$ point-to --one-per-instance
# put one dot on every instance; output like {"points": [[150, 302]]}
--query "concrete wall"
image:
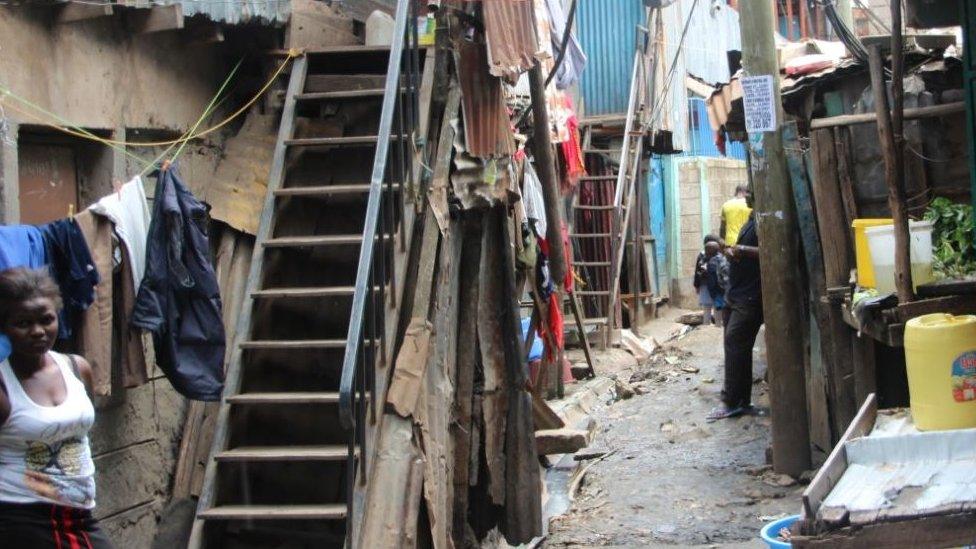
{"points": [[701, 186], [99, 75]]}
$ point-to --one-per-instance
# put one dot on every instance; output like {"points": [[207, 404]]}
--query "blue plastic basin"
{"points": [[770, 532]]}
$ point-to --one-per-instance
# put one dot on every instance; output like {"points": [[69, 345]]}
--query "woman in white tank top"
{"points": [[47, 477]]}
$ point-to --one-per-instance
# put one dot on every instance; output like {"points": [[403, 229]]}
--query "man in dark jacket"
{"points": [[744, 300]]}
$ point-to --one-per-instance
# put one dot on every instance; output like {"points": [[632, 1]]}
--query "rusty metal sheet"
{"points": [[512, 36], [487, 129]]}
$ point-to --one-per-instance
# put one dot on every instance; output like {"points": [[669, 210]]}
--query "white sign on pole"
{"points": [[757, 99]]}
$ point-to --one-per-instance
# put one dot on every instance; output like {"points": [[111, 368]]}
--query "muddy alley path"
{"points": [[670, 477]]}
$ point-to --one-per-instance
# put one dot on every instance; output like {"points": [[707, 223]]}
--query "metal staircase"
{"points": [[312, 343]]}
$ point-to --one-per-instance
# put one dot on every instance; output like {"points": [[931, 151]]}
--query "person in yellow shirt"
{"points": [[735, 214]]}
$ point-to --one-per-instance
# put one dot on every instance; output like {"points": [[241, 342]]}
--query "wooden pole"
{"points": [[546, 167], [894, 167], [778, 257], [846, 14], [789, 20], [804, 31]]}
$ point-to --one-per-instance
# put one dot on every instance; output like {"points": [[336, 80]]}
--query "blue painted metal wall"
{"points": [[656, 198], [608, 34], [701, 137]]}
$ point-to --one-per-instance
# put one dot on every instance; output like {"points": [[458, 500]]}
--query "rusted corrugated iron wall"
{"points": [[608, 34]]}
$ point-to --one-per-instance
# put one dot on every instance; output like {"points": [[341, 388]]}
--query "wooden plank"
{"points": [[955, 305], [829, 474], [581, 327], [467, 362], [285, 398], [845, 175], [560, 441], [835, 234], [871, 118], [309, 241], [296, 344], [411, 362], [156, 19], [71, 12], [951, 530], [275, 512], [545, 417], [285, 453]]}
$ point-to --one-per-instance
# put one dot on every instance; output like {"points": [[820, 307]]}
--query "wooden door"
{"points": [[48, 182]]}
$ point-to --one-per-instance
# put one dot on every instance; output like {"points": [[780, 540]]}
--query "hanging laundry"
{"points": [[73, 268], [179, 300], [129, 211], [20, 246], [109, 313], [544, 285], [535, 208], [574, 61], [572, 152]]}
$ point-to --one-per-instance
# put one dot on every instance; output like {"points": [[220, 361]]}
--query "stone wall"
{"points": [[704, 184]]}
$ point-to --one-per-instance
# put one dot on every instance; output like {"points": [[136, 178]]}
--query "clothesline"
{"points": [[77, 131]]}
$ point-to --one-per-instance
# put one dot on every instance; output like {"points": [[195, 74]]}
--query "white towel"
{"points": [[129, 211]]}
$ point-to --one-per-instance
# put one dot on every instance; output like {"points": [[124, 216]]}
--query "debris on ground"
{"points": [[641, 348], [560, 441], [779, 479], [590, 453], [623, 389], [695, 318]]}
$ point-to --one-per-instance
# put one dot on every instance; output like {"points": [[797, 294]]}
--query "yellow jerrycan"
{"points": [[940, 354]]}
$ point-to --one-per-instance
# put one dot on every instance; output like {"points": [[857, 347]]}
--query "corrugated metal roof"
{"points": [[231, 12], [608, 33], [513, 42], [487, 128]]}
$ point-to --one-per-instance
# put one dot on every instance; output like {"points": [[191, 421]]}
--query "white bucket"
{"points": [[881, 242]]}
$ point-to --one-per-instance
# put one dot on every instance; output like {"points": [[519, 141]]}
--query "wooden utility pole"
{"points": [[546, 168], [779, 254], [892, 149]]}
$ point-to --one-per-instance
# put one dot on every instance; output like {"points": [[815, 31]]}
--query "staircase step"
{"points": [[285, 398], [295, 344], [321, 240], [285, 453], [601, 151], [275, 293], [591, 264], [589, 235], [275, 512], [603, 207], [346, 141], [328, 190], [605, 293], [596, 321], [598, 178], [340, 95]]}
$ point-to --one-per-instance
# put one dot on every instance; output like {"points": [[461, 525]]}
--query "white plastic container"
{"points": [[379, 29], [881, 242]]}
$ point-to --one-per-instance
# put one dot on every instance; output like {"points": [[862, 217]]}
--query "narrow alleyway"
{"points": [[669, 477]]}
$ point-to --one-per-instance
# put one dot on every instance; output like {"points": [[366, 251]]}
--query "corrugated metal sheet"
{"points": [[487, 129], [713, 30], [230, 12], [608, 33], [513, 41]]}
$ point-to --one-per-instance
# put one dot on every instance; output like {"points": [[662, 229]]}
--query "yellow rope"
{"points": [[291, 55]]}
